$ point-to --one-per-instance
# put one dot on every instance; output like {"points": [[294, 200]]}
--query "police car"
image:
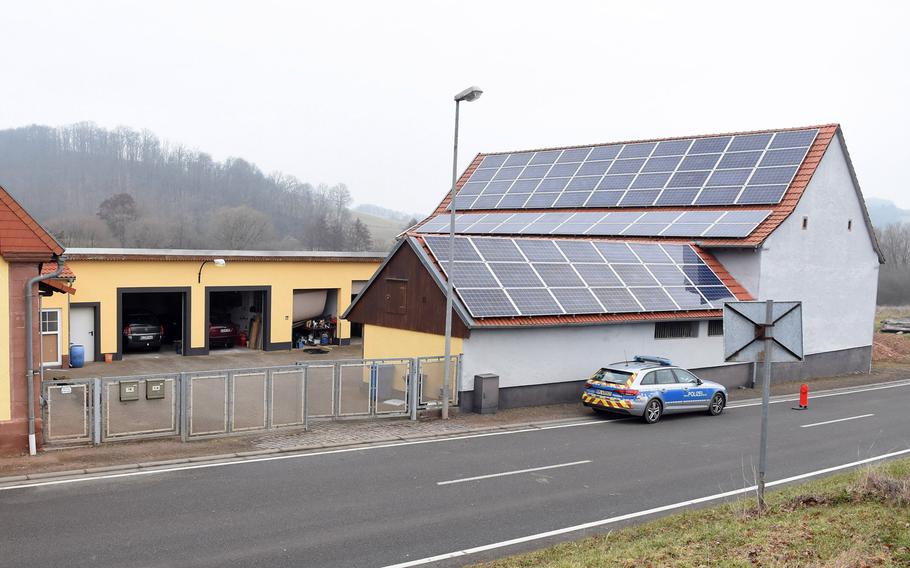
{"points": [[649, 387]]}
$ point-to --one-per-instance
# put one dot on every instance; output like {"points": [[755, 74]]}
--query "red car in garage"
{"points": [[222, 331]]}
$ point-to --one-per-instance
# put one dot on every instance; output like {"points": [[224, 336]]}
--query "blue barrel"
{"points": [[77, 355]]}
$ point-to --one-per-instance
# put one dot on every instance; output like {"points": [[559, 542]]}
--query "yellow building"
{"points": [[272, 298]]}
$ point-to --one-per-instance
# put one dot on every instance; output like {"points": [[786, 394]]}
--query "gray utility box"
{"points": [[486, 393], [129, 390], [154, 388]]}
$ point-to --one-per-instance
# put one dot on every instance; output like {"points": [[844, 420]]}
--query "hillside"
{"points": [[884, 212], [96, 187]]}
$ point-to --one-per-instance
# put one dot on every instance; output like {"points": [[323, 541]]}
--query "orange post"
{"points": [[804, 397]]}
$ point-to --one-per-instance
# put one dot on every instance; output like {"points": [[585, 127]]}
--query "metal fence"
{"points": [[224, 402]]}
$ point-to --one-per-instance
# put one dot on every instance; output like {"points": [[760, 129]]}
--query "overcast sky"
{"points": [[361, 93]]}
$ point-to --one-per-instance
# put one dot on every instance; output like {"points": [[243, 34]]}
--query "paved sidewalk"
{"points": [[340, 433]]}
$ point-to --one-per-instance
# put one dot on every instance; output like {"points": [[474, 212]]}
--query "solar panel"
{"points": [[610, 175], [739, 223], [534, 302], [501, 277]]}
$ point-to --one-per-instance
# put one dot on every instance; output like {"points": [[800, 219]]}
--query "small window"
{"points": [[849, 224], [675, 329], [50, 322], [805, 223], [715, 327], [664, 376], [649, 379], [685, 377]]}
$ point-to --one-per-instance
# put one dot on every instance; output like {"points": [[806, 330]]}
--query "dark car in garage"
{"points": [[142, 330], [222, 331]]}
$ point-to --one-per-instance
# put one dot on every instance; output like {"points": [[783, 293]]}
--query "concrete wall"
{"points": [[833, 270], [390, 343], [536, 356], [97, 281]]}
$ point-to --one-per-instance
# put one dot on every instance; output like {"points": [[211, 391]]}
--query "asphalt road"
{"points": [[373, 507]]}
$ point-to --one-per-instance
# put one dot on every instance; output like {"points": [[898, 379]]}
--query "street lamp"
{"points": [[216, 261], [470, 94]]}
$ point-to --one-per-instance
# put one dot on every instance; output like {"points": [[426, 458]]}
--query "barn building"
{"points": [[570, 258]]}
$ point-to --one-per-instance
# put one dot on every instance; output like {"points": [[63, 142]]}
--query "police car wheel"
{"points": [[717, 405], [653, 410]]}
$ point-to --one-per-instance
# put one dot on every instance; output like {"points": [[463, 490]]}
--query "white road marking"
{"points": [[514, 472], [637, 514], [823, 394], [590, 422], [838, 420]]}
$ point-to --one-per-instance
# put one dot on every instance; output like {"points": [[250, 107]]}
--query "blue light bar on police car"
{"points": [[652, 359]]}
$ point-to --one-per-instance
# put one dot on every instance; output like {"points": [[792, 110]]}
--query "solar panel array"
{"points": [[718, 224], [499, 277], [720, 170]]}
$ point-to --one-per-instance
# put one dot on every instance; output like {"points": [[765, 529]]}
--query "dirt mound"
{"points": [[891, 347]]}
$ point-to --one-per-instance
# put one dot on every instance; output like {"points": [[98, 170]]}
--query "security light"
{"points": [[472, 93], [219, 262]]}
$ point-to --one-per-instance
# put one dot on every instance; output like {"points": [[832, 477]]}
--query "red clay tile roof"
{"points": [[20, 233], [50, 267], [779, 212], [592, 319]]}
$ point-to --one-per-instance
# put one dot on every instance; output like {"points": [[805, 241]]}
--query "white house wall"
{"points": [[833, 270], [533, 356]]}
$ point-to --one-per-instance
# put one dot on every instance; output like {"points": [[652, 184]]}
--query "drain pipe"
{"points": [[30, 348]]}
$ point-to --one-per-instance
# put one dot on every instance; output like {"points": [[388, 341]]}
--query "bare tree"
{"points": [[894, 275], [84, 165], [118, 211], [80, 231], [240, 227]]}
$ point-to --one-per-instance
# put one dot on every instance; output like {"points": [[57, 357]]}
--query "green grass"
{"points": [[383, 231], [856, 519]]}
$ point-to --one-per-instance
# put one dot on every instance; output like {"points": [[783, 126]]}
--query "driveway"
{"points": [[166, 361]]}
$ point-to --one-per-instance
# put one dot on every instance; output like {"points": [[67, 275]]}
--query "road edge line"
{"points": [[638, 514]]}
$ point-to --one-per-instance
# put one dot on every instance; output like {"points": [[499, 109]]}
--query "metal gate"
{"points": [[67, 410], [223, 402]]}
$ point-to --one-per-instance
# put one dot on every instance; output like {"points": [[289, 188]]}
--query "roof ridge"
{"points": [[34, 226], [665, 138]]}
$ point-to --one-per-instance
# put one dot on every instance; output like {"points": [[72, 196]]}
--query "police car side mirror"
{"points": [[698, 381]]}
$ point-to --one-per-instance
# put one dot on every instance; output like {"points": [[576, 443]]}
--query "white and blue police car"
{"points": [[650, 387]]}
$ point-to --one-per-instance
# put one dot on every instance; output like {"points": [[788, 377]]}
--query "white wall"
{"points": [[550, 355], [743, 264], [832, 270]]}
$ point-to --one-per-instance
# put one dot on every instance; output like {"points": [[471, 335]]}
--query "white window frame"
{"points": [[58, 333]]}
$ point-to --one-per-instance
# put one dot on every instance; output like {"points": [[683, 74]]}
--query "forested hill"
{"points": [[96, 187]]}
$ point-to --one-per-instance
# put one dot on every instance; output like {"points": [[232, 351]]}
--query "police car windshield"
{"points": [[611, 376]]}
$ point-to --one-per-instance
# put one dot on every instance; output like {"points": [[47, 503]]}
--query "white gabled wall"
{"points": [[533, 356], [833, 270]]}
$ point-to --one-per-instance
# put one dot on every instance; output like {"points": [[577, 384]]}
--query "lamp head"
{"points": [[472, 93], [219, 262]]}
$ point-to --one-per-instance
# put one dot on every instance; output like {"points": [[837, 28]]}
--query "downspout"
{"points": [[30, 348]]}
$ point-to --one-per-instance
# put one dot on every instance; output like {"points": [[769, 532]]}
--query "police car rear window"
{"points": [[609, 376]]}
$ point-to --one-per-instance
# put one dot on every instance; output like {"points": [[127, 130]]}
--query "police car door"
{"points": [[693, 394], [669, 389]]}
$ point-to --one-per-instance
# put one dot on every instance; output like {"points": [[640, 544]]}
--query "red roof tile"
{"points": [[50, 267], [20, 233]]}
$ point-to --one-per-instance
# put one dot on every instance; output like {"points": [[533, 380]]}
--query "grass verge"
{"points": [[853, 520]]}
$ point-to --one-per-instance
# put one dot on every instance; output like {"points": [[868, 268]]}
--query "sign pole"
{"points": [[765, 400]]}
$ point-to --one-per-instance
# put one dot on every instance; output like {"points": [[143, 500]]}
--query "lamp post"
{"points": [[216, 261], [470, 94]]}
